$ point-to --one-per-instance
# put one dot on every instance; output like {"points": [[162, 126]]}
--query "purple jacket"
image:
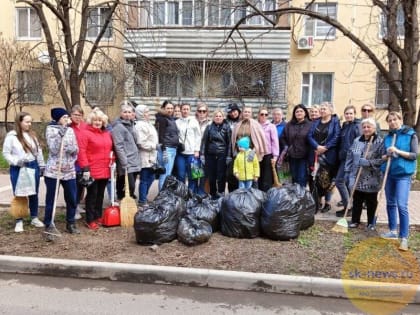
{"points": [[272, 139]]}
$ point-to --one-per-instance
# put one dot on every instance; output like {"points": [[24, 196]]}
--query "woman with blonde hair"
{"points": [[95, 159], [202, 116], [148, 144], [215, 153], [21, 148]]}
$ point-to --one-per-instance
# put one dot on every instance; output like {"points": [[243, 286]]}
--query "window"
{"points": [[99, 87], [196, 12], [316, 88], [383, 29], [96, 20], [382, 91], [318, 28], [29, 86], [28, 24]]}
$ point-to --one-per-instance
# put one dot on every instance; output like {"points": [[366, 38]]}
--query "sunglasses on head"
{"points": [[263, 114], [367, 110], [202, 111]]}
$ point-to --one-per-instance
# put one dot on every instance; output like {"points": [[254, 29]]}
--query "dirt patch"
{"points": [[317, 252]]}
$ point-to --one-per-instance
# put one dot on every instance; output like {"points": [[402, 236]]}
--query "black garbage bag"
{"points": [[193, 232], [240, 214], [260, 195], [280, 216], [176, 187], [157, 223], [307, 207], [204, 209], [167, 196]]}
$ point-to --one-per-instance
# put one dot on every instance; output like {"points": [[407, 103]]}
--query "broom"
{"points": [[276, 182], [381, 191], [128, 206], [342, 226], [19, 207]]}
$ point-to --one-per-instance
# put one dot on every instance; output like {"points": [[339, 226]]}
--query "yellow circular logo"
{"points": [[378, 278]]}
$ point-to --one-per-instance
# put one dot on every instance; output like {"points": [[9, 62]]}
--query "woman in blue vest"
{"points": [[403, 155]]}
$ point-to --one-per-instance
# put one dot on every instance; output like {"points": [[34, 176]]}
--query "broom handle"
{"points": [[127, 187], [276, 182], [356, 181], [57, 184], [111, 166], [381, 191]]}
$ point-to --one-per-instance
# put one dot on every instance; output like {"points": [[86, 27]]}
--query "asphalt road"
{"points": [[47, 295]]}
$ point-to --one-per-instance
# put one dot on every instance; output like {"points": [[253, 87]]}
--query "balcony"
{"points": [[200, 43]]}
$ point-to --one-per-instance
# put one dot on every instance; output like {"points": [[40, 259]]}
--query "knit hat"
{"points": [[243, 143], [232, 107], [140, 109], [57, 113]]}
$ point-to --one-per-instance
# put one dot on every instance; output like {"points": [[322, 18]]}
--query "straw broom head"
{"points": [[128, 207], [19, 207]]}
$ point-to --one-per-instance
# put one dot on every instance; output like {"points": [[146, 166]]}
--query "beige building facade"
{"points": [[173, 50], [325, 65]]}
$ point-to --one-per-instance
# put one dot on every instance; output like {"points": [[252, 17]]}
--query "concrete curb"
{"points": [[233, 280]]}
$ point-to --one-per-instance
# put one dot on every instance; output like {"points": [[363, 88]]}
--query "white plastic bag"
{"points": [[25, 185]]}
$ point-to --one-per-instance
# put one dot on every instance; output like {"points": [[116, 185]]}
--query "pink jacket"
{"points": [[272, 139], [94, 152]]}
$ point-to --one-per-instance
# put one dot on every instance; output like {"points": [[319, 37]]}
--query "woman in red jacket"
{"points": [[94, 158]]}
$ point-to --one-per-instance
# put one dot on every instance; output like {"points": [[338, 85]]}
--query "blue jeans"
{"points": [[70, 191], [183, 166], [340, 183], [33, 200], [397, 190], [299, 171], [147, 176], [168, 165], [245, 184]]}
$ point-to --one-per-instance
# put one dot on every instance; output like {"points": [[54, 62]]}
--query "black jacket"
{"points": [[167, 130], [294, 139], [216, 140]]}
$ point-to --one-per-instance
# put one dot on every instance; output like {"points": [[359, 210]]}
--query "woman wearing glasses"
{"points": [[368, 111], [202, 116], [265, 180]]}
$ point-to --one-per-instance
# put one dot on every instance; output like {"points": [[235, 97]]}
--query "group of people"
{"points": [[354, 158], [232, 147]]}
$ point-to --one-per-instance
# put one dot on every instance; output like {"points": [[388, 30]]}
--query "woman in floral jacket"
{"points": [[63, 172]]}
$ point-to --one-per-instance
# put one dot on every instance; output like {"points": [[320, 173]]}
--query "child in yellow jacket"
{"points": [[246, 166]]}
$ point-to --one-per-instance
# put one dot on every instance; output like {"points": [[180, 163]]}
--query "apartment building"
{"points": [[325, 65], [181, 50], [35, 89]]}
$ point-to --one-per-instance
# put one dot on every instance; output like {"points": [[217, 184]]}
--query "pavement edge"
{"points": [[210, 278]]}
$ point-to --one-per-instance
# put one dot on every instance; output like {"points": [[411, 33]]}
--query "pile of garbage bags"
{"points": [[176, 213]]}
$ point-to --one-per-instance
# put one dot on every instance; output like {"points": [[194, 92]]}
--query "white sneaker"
{"points": [[79, 209], [77, 216], [37, 223], [19, 226]]}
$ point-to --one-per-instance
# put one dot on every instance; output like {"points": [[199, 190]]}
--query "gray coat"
{"points": [[125, 146], [371, 177]]}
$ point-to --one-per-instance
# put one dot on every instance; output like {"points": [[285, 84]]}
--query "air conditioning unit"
{"points": [[305, 42]]}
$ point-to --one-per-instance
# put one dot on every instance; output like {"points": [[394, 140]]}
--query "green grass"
{"points": [[309, 236], [3, 162], [418, 168]]}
